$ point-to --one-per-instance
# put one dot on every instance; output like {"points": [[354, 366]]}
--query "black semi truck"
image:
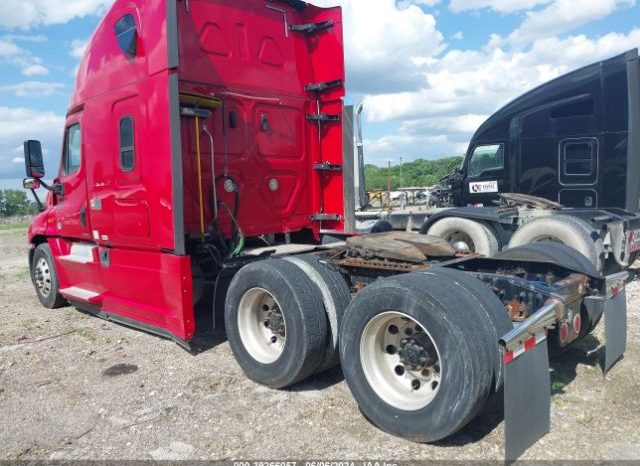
{"points": [[560, 163]]}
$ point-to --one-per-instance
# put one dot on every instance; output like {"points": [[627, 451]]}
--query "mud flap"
{"points": [[615, 328], [527, 395]]}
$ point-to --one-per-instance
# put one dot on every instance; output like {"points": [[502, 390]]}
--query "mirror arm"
{"points": [[38, 201], [46, 186], [56, 188]]}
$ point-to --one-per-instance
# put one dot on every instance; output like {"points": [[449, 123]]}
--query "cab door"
{"points": [[72, 214], [486, 174]]}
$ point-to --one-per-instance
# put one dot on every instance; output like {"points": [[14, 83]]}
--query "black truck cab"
{"points": [[574, 140]]}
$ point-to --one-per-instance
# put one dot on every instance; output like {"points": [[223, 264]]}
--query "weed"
{"points": [[86, 333], [14, 226]]}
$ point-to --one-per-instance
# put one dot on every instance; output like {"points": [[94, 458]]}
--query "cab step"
{"points": [[76, 293]]}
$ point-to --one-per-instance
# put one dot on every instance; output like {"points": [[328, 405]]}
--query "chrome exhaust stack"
{"points": [[544, 317]]}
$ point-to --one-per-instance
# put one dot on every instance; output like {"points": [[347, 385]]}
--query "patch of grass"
{"points": [[30, 323], [23, 274], [14, 226], [584, 418], [86, 333], [557, 385]]}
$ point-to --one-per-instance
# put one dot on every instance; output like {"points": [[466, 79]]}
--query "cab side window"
{"points": [[72, 149], [127, 144], [486, 158], [579, 161]]}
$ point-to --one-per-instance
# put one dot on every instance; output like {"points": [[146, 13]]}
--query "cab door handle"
{"points": [[83, 216]]}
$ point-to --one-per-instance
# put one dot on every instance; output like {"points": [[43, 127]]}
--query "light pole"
{"points": [[389, 204], [401, 178]]}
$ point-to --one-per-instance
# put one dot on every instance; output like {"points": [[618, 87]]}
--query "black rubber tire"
{"points": [[484, 237], [569, 231], [336, 296], [465, 346], [304, 316], [54, 300], [381, 226], [487, 302]]}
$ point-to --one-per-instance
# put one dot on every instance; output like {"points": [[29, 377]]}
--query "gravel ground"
{"points": [[73, 386]]}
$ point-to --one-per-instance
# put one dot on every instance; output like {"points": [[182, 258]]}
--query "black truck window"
{"points": [[72, 150], [127, 35], [127, 145], [486, 158], [578, 161]]}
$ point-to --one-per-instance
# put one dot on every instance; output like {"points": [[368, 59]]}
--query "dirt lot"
{"points": [[62, 398]]}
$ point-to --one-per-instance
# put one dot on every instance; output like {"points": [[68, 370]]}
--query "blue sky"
{"points": [[429, 71]]}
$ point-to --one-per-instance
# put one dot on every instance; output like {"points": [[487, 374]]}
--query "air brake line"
{"points": [[200, 106], [200, 201]]}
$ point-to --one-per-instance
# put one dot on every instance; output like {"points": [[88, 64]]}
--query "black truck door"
{"points": [[486, 174]]}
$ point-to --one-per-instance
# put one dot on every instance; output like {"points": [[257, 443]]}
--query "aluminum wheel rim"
{"points": [[42, 277], [461, 237], [399, 384], [261, 326]]}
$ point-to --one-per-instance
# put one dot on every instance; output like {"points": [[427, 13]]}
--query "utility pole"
{"points": [[389, 203], [401, 178]]}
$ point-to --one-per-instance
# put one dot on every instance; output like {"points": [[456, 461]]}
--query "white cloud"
{"points": [[32, 89], [461, 87], [35, 70], [385, 43], [563, 16], [26, 14], [15, 55], [427, 3], [474, 81], [19, 124], [78, 46], [18, 160], [36, 39], [501, 6], [458, 35]]}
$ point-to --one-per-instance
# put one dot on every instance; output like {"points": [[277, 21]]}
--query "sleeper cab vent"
{"points": [[127, 35]]}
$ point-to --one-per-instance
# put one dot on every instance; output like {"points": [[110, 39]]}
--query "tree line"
{"points": [[14, 202], [418, 173]]}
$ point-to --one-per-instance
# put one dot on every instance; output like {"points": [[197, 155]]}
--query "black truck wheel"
{"points": [[45, 278], [275, 323], [336, 296], [417, 355], [483, 300], [569, 231], [465, 235]]}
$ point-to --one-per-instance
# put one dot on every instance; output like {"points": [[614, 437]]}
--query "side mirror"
{"points": [[33, 159], [31, 183]]}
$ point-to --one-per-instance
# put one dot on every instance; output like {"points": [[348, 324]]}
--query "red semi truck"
{"points": [[203, 183]]}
